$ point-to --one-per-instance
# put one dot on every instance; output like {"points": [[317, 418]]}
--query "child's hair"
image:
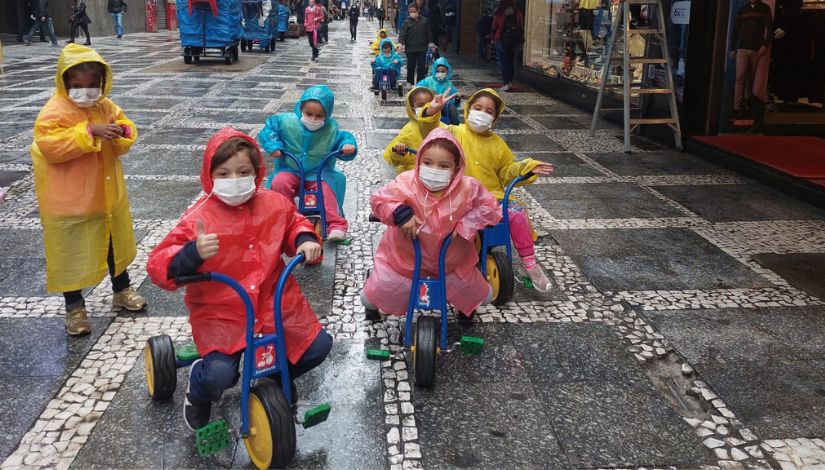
{"points": [[420, 91], [94, 67], [230, 147], [449, 146], [304, 103], [493, 97]]}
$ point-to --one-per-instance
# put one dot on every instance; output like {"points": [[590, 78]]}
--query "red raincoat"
{"points": [[464, 207], [252, 238]]}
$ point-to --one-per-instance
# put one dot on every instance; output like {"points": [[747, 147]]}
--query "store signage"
{"points": [[680, 13]]}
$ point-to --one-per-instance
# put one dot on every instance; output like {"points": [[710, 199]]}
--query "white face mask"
{"points": [[234, 191], [479, 121], [84, 97], [312, 124], [418, 111], [433, 178], [440, 75]]}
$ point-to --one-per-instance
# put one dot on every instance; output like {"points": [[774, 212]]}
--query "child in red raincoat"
{"points": [[239, 230], [429, 203]]}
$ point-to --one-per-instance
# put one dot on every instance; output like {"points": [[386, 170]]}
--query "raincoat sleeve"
{"points": [[270, 136], [400, 63], [427, 124], [60, 143], [386, 200], [296, 224], [344, 138], [508, 168], [402, 162], [161, 257], [121, 145], [484, 211]]}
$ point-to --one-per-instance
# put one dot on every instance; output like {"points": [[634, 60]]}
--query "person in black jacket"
{"points": [[415, 37], [751, 36], [80, 20], [353, 21], [117, 8], [380, 14], [41, 20]]}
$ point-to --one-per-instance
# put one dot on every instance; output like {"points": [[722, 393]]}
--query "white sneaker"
{"points": [[336, 235], [506, 87]]}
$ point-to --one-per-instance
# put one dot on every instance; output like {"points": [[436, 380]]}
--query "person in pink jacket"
{"points": [[429, 203], [313, 20]]}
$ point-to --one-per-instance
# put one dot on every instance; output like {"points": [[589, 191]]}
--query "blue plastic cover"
{"points": [[252, 28], [221, 30]]}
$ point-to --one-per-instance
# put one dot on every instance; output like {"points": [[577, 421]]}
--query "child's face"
{"points": [[441, 69], [485, 104], [421, 99], [238, 166], [383, 35], [438, 159], [314, 111], [387, 51], [82, 79]]}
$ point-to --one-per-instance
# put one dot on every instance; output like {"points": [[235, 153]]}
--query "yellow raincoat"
{"points": [[375, 44], [78, 180], [410, 136], [489, 159]]}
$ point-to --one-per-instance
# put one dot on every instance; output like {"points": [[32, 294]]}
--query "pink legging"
{"points": [[521, 233], [287, 184]]}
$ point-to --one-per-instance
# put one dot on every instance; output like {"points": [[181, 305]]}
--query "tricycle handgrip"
{"points": [[192, 278]]}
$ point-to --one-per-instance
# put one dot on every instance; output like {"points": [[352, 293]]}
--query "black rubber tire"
{"points": [[187, 59], [383, 93], [196, 59], [272, 44], [401, 90], [425, 340], [235, 54], [281, 421], [506, 278], [243, 45], [227, 58], [162, 352]]}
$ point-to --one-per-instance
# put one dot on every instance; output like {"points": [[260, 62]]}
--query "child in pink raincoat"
{"points": [[429, 203]]}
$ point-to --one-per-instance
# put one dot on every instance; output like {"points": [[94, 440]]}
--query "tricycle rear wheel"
{"points": [[159, 363], [425, 351], [271, 440], [500, 277]]}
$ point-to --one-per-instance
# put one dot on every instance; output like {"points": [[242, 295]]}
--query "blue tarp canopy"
{"points": [[221, 30]]}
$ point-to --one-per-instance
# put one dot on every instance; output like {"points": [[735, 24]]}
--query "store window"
{"points": [[568, 39]]}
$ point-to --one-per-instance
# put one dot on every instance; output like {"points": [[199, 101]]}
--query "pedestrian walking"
{"points": [[42, 20], [353, 22], [415, 37], [380, 14], [508, 33], [324, 33], [313, 19], [117, 8], [81, 20], [25, 13], [283, 20], [370, 12], [448, 23]]}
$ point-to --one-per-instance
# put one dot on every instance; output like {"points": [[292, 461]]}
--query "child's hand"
{"points": [[311, 250], [438, 103], [107, 131], [276, 154], [410, 227], [372, 61], [348, 149], [400, 149], [543, 169], [395, 62], [207, 243]]}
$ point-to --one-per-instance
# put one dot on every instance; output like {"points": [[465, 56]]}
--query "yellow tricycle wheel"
{"points": [[500, 276], [271, 440], [159, 364]]}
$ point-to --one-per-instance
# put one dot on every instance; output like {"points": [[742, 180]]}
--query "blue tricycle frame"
{"points": [[310, 201], [384, 83], [159, 350]]}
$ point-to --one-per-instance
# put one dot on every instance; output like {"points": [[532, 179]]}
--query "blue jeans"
{"points": [[507, 59], [376, 77], [118, 19], [42, 24], [218, 371]]}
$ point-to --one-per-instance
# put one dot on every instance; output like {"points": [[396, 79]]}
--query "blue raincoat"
{"points": [[381, 61], [439, 86], [285, 131], [283, 18]]}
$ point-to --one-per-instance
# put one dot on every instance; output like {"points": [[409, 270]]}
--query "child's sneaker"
{"points": [[76, 322], [538, 278], [195, 416], [129, 299], [336, 235]]}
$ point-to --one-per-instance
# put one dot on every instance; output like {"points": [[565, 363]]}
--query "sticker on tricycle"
{"points": [[310, 201], [424, 294], [265, 357]]}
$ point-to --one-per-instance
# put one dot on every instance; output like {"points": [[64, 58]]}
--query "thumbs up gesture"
{"points": [[207, 243]]}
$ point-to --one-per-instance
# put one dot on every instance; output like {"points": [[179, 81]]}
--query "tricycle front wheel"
{"points": [[159, 362], [425, 351], [271, 440]]}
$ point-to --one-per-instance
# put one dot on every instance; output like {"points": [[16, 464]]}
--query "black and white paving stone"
{"points": [[684, 327]]}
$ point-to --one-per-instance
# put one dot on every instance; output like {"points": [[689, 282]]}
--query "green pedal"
{"points": [[378, 354], [526, 282], [187, 352], [316, 415], [471, 345], [345, 242], [213, 438]]}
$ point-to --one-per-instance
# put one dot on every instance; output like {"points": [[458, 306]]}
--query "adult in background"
{"points": [[508, 33], [435, 23], [380, 14], [283, 20], [117, 8], [422, 8], [483, 28], [81, 20], [313, 20], [353, 22], [42, 20], [323, 34], [415, 37], [448, 23], [370, 12]]}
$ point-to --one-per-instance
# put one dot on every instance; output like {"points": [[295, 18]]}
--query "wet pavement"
{"points": [[684, 327]]}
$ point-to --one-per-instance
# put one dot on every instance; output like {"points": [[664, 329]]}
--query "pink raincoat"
{"points": [[464, 207]]}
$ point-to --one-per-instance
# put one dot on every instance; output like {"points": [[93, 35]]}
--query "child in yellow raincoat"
{"points": [[491, 161], [396, 153], [79, 137], [379, 36]]}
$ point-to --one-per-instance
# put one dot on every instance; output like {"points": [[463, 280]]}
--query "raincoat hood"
{"points": [[499, 103], [319, 93], [378, 35], [408, 102], [442, 61], [436, 135], [212, 146], [75, 54], [381, 46]]}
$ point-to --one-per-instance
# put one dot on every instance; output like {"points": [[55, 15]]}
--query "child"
{"points": [[79, 137], [310, 133], [396, 153], [239, 230], [388, 59], [380, 36], [439, 82], [492, 162], [429, 204]]}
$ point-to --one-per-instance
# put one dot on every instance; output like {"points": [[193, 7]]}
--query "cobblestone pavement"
{"points": [[684, 327]]}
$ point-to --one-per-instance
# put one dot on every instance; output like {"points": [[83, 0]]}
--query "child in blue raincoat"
{"points": [[310, 133], [283, 20], [439, 82], [388, 58]]}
